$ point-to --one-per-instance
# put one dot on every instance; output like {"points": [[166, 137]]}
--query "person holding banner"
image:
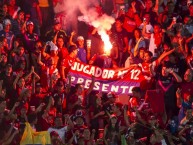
{"points": [[148, 67], [66, 63], [103, 61]]}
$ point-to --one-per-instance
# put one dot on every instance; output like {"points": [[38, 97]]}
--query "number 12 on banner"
{"points": [[135, 74]]}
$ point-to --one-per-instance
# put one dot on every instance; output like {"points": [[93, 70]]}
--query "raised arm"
{"points": [[136, 48], [16, 80], [179, 97], [164, 54], [71, 38], [176, 76], [44, 54], [144, 30], [13, 109], [39, 60], [126, 116], [69, 122], [55, 38], [62, 72], [29, 74], [69, 82]]}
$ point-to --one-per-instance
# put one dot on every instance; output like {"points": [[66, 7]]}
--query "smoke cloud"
{"points": [[88, 14]]}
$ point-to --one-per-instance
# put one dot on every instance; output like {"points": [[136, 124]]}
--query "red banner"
{"points": [[120, 80]]}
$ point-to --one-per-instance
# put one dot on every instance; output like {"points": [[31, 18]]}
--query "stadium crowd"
{"points": [[37, 51]]}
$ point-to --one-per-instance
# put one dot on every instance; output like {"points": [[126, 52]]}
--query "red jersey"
{"points": [[67, 63], [145, 68], [63, 53], [130, 24]]}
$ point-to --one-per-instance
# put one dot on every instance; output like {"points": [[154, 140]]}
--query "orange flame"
{"points": [[107, 44]]}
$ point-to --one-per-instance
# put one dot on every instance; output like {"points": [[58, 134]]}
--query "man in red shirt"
{"points": [[68, 61]]}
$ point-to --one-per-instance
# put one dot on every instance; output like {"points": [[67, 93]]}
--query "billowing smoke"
{"points": [[72, 8], [90, 16]]}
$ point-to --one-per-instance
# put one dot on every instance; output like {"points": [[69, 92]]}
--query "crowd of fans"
{"points": [[37, 52]]}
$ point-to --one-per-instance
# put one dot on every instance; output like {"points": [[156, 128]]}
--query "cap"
{"points": [[111, 95], [80, 38], [79, 114], [56, 21], [29, 23], [7, 22]]}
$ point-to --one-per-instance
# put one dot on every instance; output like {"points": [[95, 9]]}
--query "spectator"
{"points": [[49, 68], [59, 128], [8, 78], [156, 40], [19, 56], [4, 14], [30, 37], [82, 54], [120, 37], [68, 61], [18, 24], [56, 32], [62, 50], [111, 132], [6, 32], [118, 6], [60, 95], [35, 54], [184, 95], [97, 115], [169, 88], [132, 20], [149, 9], [13, 8], [111, 99]]}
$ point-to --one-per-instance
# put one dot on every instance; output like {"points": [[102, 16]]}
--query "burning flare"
{"points": [[107, 44], [101, 23]]}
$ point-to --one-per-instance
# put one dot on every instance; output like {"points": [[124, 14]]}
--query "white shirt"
{"points": [[148, 29], [61, 132]]}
